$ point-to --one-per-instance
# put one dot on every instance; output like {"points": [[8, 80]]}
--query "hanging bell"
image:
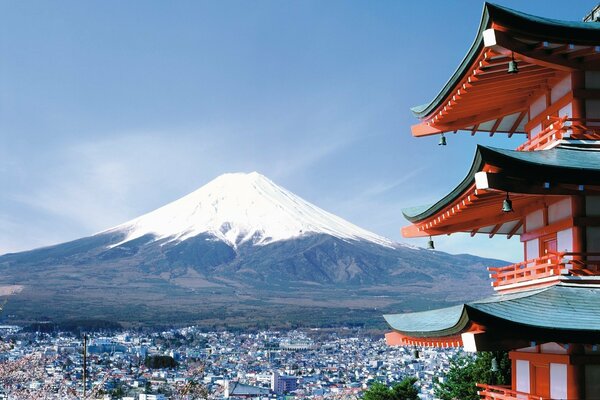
{"points": [[430, 245], [512, 66], [494, 365], [442, 140], [507, 204]]}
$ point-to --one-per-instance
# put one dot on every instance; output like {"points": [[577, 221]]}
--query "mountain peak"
{"points": [[231, 180], [243, 207]]}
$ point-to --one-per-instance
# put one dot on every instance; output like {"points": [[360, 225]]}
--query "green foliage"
{"points": [[160, 362], [403, 390], [117, 392], [466, 371]]}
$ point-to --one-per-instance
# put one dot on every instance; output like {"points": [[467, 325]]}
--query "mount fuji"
{"points": [[243, 208], [239, 251]]}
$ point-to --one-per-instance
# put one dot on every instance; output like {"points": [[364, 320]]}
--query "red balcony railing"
{"points": [[560, 128], [490, 392], [553, 264]]}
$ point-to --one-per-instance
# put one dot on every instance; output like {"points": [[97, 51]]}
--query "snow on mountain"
{"points": [[238, 208]]}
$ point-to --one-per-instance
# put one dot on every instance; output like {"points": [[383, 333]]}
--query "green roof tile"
{"points": [[559, 307], [561, 164], [547, 29]]}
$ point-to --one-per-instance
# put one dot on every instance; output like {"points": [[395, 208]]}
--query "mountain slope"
{"points": [[237, 208], [239, 250]]}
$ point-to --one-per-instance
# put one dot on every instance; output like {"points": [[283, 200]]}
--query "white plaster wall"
{"points": [[535, 130], [560, 89], [537, 106], [564, 240], [566, 111], [559, 211], [592, 206], [533, 248], [534, 220], [523, 384], [592, 79], [558, 381]]}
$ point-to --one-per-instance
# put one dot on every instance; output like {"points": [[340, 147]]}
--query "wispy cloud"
{"points": [[96, 184], [379, 188]]}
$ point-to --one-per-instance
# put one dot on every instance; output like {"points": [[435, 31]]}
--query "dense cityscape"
{"points": [[315, 363]]}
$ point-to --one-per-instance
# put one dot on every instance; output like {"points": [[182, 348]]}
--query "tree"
{"points": [[403, 390], [406, 389], [160, 361], [466, 371]]}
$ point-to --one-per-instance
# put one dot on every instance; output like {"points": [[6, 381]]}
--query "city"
{"points": [[312, 363]]}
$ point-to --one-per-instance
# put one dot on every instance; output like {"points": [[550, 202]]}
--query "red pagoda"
{"points": [[540, 78]]}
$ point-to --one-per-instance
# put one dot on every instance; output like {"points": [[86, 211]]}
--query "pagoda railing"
{"points": [[490, 392], [563, 128], [552, 264]]}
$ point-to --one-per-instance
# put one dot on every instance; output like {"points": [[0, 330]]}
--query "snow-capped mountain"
{"points": [[240, 248], [237, 208]]}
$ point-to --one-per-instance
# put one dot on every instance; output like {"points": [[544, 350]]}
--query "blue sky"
{"points": [[109, 109]]}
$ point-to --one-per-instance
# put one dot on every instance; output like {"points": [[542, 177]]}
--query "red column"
{"points": [[575, 382], [578, 82], [575, 374]]}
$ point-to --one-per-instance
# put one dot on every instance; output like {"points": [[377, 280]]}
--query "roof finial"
{"points": [[593, 15]]}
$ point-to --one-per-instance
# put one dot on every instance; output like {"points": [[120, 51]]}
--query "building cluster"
{"points": [[322, 364]]}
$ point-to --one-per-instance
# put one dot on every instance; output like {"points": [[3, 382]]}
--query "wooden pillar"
{"points": [[578, 82], [576, 375], [513, 367], [575, 382], [579, 231]]}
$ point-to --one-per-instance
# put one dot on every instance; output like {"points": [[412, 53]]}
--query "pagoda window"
{"points": [[548, 244], [538, 107], [592, 378], [558, 381], [559, 211], [592, 233], [592, 79], [532, 249], [564, 240], [592, 108], [566, 111], [523, 383], [535, 220], [592, 206], [561, 89], [593, 239]]}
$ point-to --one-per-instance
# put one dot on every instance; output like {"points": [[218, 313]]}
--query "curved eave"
{"points": [[430, 324], [423, 110], [558, 166], [522, 24], [557, 310], [416, 214]]}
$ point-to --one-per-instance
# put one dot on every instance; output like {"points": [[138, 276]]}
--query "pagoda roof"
{"points": [[522, 173], [545, 49], [561, 307]]}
